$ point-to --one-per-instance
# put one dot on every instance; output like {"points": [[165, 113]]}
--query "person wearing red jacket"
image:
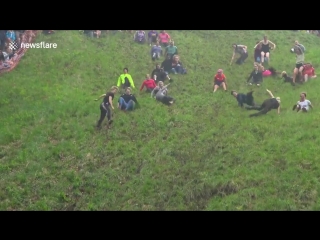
{"points": [[308, 72], [149, 83]]}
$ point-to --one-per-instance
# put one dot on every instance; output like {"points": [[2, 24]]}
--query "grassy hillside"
{"points": [[203, 153]]}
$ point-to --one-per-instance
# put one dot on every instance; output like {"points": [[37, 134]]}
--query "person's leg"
{"points": [[300, 73], [263, 111], [173, 70], [130, 106], [224, 86], [215, 87], [153, 56], [244, 56], [295, 72], [167, 100], [268, 57], [102, 116], [149, 90], [262, 57], [122, 103], [306, 77]]}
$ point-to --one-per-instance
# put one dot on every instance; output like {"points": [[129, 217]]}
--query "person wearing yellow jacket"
{"points": [[125, 80]]}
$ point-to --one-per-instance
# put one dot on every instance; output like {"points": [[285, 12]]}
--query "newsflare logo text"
{"points": [[15, 46]]}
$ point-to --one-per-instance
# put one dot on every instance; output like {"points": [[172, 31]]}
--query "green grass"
{"points": [[203, 153]]}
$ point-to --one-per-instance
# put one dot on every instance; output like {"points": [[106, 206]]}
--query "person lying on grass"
{"points": [[149, 83], [127, 101], [158, 74], [243, 98], [242, 50], [219, 80], [255, 76], [125, 80], [303, 104], [105, 106], [160, 93], [267, 105]]}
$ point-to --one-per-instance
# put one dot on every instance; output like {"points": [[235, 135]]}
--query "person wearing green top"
{"points": [[171, 50], [125, 80]]}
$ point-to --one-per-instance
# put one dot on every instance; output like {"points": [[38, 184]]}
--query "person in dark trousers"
{"points": [[243, 98], [167, 64], [255, 76], [242, 50], [267, 105], [158, 74], [125, 80], [127, 101], [105, 106]]}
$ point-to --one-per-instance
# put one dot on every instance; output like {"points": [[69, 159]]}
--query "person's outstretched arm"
{"points": [[103, 95], [270, 93]]}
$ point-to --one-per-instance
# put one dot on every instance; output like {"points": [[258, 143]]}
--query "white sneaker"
{"points": [[250, 83], [258, 85]]}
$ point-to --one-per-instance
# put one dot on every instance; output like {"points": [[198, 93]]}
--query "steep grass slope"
{"points": [[203, 153]]}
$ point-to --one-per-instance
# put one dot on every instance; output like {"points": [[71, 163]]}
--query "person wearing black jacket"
{"points": [[105, 106], [255, 76], [127, 101], [167, 64], [158, 74], [243, 98]]}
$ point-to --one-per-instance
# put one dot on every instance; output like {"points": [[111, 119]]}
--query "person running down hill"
{"points": [[105, 106]]}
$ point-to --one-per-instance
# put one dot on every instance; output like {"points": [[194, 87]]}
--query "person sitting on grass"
{"points": [[160, 93], [171, 50], [242, 50], [105, 106], [125, 80], [297, 72], [149, 83], [255, 76], [308, 72], [265, 49], [139, 36], [158, 74], [257, 52], [167, 64], [243, 98], [303, 104], [271, 71], [267, 105], [164, 38], [156, 51], [176, 65], [153, 37], [127, 101], [219, 80]]}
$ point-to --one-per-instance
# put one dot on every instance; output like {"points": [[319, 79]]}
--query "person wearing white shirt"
{"points": [[303, 104]]}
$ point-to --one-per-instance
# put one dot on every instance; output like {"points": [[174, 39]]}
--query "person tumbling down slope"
{"points": [[243, 98], [267, 105]]}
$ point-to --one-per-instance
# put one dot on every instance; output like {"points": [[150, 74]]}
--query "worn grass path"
{"points": [[204, 153]]}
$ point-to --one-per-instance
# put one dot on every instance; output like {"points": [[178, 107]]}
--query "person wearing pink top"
{"points": [[164, 38]]}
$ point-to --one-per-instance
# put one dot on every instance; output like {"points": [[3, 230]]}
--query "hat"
{"points": [[220, 71]]}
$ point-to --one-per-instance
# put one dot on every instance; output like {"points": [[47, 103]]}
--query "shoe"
{"points": [[258, 85], [250, 83], [110, 122]]}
